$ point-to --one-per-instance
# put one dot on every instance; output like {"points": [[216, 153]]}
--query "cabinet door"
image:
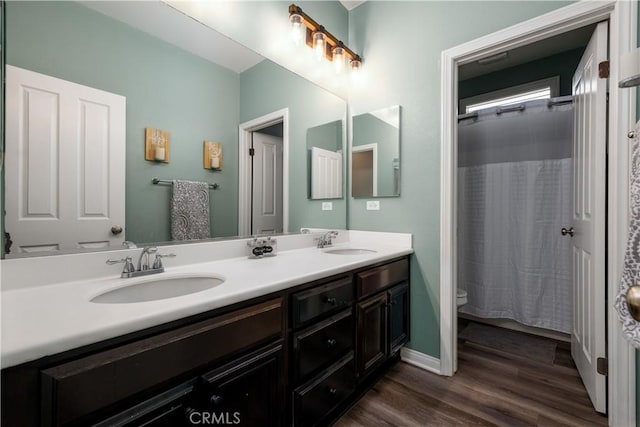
{"points": [[172, 408], [371, 342], [398, 298], [247, 391]]}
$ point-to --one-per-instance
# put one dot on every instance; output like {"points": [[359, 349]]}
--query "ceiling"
{"points": [[164, 22], [578, 38], [351, 4]]}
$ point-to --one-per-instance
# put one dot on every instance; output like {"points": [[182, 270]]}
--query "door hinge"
{"points": [[252, 151], [603, 70], [602, 366]]}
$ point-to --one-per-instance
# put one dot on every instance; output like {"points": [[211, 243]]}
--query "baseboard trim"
{"points": [[421, 360]]}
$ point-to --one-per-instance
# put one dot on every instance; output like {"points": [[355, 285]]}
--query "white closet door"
{"points": [[326, 174], [267, 184], [65, 164], [588, 242]]}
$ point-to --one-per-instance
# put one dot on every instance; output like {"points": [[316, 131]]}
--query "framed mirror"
{"points": [[171, 74], [325, 161], [375, 154]]}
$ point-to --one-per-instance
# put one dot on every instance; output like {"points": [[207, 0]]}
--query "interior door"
{"points": [[588, 239], [326, 174], [267, 184], [65, 164]]}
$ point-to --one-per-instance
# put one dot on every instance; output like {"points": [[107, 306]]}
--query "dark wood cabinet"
{"points": [[321, 344], [398, 313], [169, 409], [245, 392], [298, 357], [314, 401], [72, 392], [371, 333], [382, 314]]}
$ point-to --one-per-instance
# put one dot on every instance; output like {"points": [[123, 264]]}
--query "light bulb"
{"points": [[297, 28], [338, 59], [356, 66], [319, 43]]}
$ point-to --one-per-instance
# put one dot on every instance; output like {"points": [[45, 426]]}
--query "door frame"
{"points": [[622, 16], [368, 147], [244, 168]]}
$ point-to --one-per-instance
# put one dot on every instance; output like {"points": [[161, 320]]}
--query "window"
{"points": [[541, 89]]}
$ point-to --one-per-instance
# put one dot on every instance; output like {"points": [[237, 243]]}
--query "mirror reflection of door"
{"points": [[64, 176], [365, 171], [266, 192]]}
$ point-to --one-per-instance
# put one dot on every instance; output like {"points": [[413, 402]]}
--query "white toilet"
{"points": [[461, 297]]}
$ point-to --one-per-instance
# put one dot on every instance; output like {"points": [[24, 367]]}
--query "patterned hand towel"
{"points": [[631, 270], [190, 210]]}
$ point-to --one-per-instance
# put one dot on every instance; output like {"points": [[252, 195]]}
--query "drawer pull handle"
{"points": [[330, 300], [331, 342], [215, 399], [333, 391]]}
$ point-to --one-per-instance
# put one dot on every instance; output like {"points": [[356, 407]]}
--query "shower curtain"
{"points": [[515, 187]]}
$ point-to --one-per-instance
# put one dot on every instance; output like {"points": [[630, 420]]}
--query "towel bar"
{"points": [[214, 186]]}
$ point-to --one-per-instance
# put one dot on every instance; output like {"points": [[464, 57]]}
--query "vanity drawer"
{"points": [[78, 388], [321, 344], [316, 399], [323, 299], [379, 278]]}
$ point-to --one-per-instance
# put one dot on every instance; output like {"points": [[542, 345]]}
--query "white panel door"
{"points": [[326, 174], [588, 242], [65, 164], [267, 184]]}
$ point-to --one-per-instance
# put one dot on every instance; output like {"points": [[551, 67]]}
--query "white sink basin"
{"points": [[152, 289], [350, 251]]}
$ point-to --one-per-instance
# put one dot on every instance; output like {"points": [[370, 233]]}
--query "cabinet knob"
{"points": [[215, 399], [116, 229], [188, 411], [330, 300], [331, 342], [333, 391]]}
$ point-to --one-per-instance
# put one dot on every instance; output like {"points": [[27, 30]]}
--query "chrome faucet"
{"points": [[325, 239], [144, 255], [144, 267]]}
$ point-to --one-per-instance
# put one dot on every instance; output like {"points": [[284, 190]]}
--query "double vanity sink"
{"points": [[305, 331], [81, 300]]}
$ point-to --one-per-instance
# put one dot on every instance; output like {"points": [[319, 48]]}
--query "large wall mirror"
{"points": [[375, 153], [158, 69]]}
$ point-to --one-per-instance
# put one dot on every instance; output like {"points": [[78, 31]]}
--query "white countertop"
{"points": [[50, 318]]}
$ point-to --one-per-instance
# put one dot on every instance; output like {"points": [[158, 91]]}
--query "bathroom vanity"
{"points": [[294, 352]]}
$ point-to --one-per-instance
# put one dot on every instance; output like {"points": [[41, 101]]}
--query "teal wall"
{"points": [[563, 64], [368, 129], [166, 88], [309, 106], [401, 43]]}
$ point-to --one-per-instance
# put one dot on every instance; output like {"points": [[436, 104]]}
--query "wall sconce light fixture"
{"points": [[324, 44], [630, 69]]}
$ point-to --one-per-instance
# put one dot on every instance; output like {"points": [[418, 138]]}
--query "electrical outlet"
{"points": [[373, 205], [327, 206]]}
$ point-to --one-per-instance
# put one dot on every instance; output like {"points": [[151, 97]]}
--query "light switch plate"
{"points": [[327, 206], [373, 205]]}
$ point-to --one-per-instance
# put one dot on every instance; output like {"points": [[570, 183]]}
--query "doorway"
{"points": [[263, 175], [622, 17]]}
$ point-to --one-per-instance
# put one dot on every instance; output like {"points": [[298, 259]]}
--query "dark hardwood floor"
{"points": [[492, 387]]}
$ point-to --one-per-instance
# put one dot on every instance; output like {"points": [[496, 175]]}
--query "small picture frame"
{"points": [[212, 155], [157, 145]]}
